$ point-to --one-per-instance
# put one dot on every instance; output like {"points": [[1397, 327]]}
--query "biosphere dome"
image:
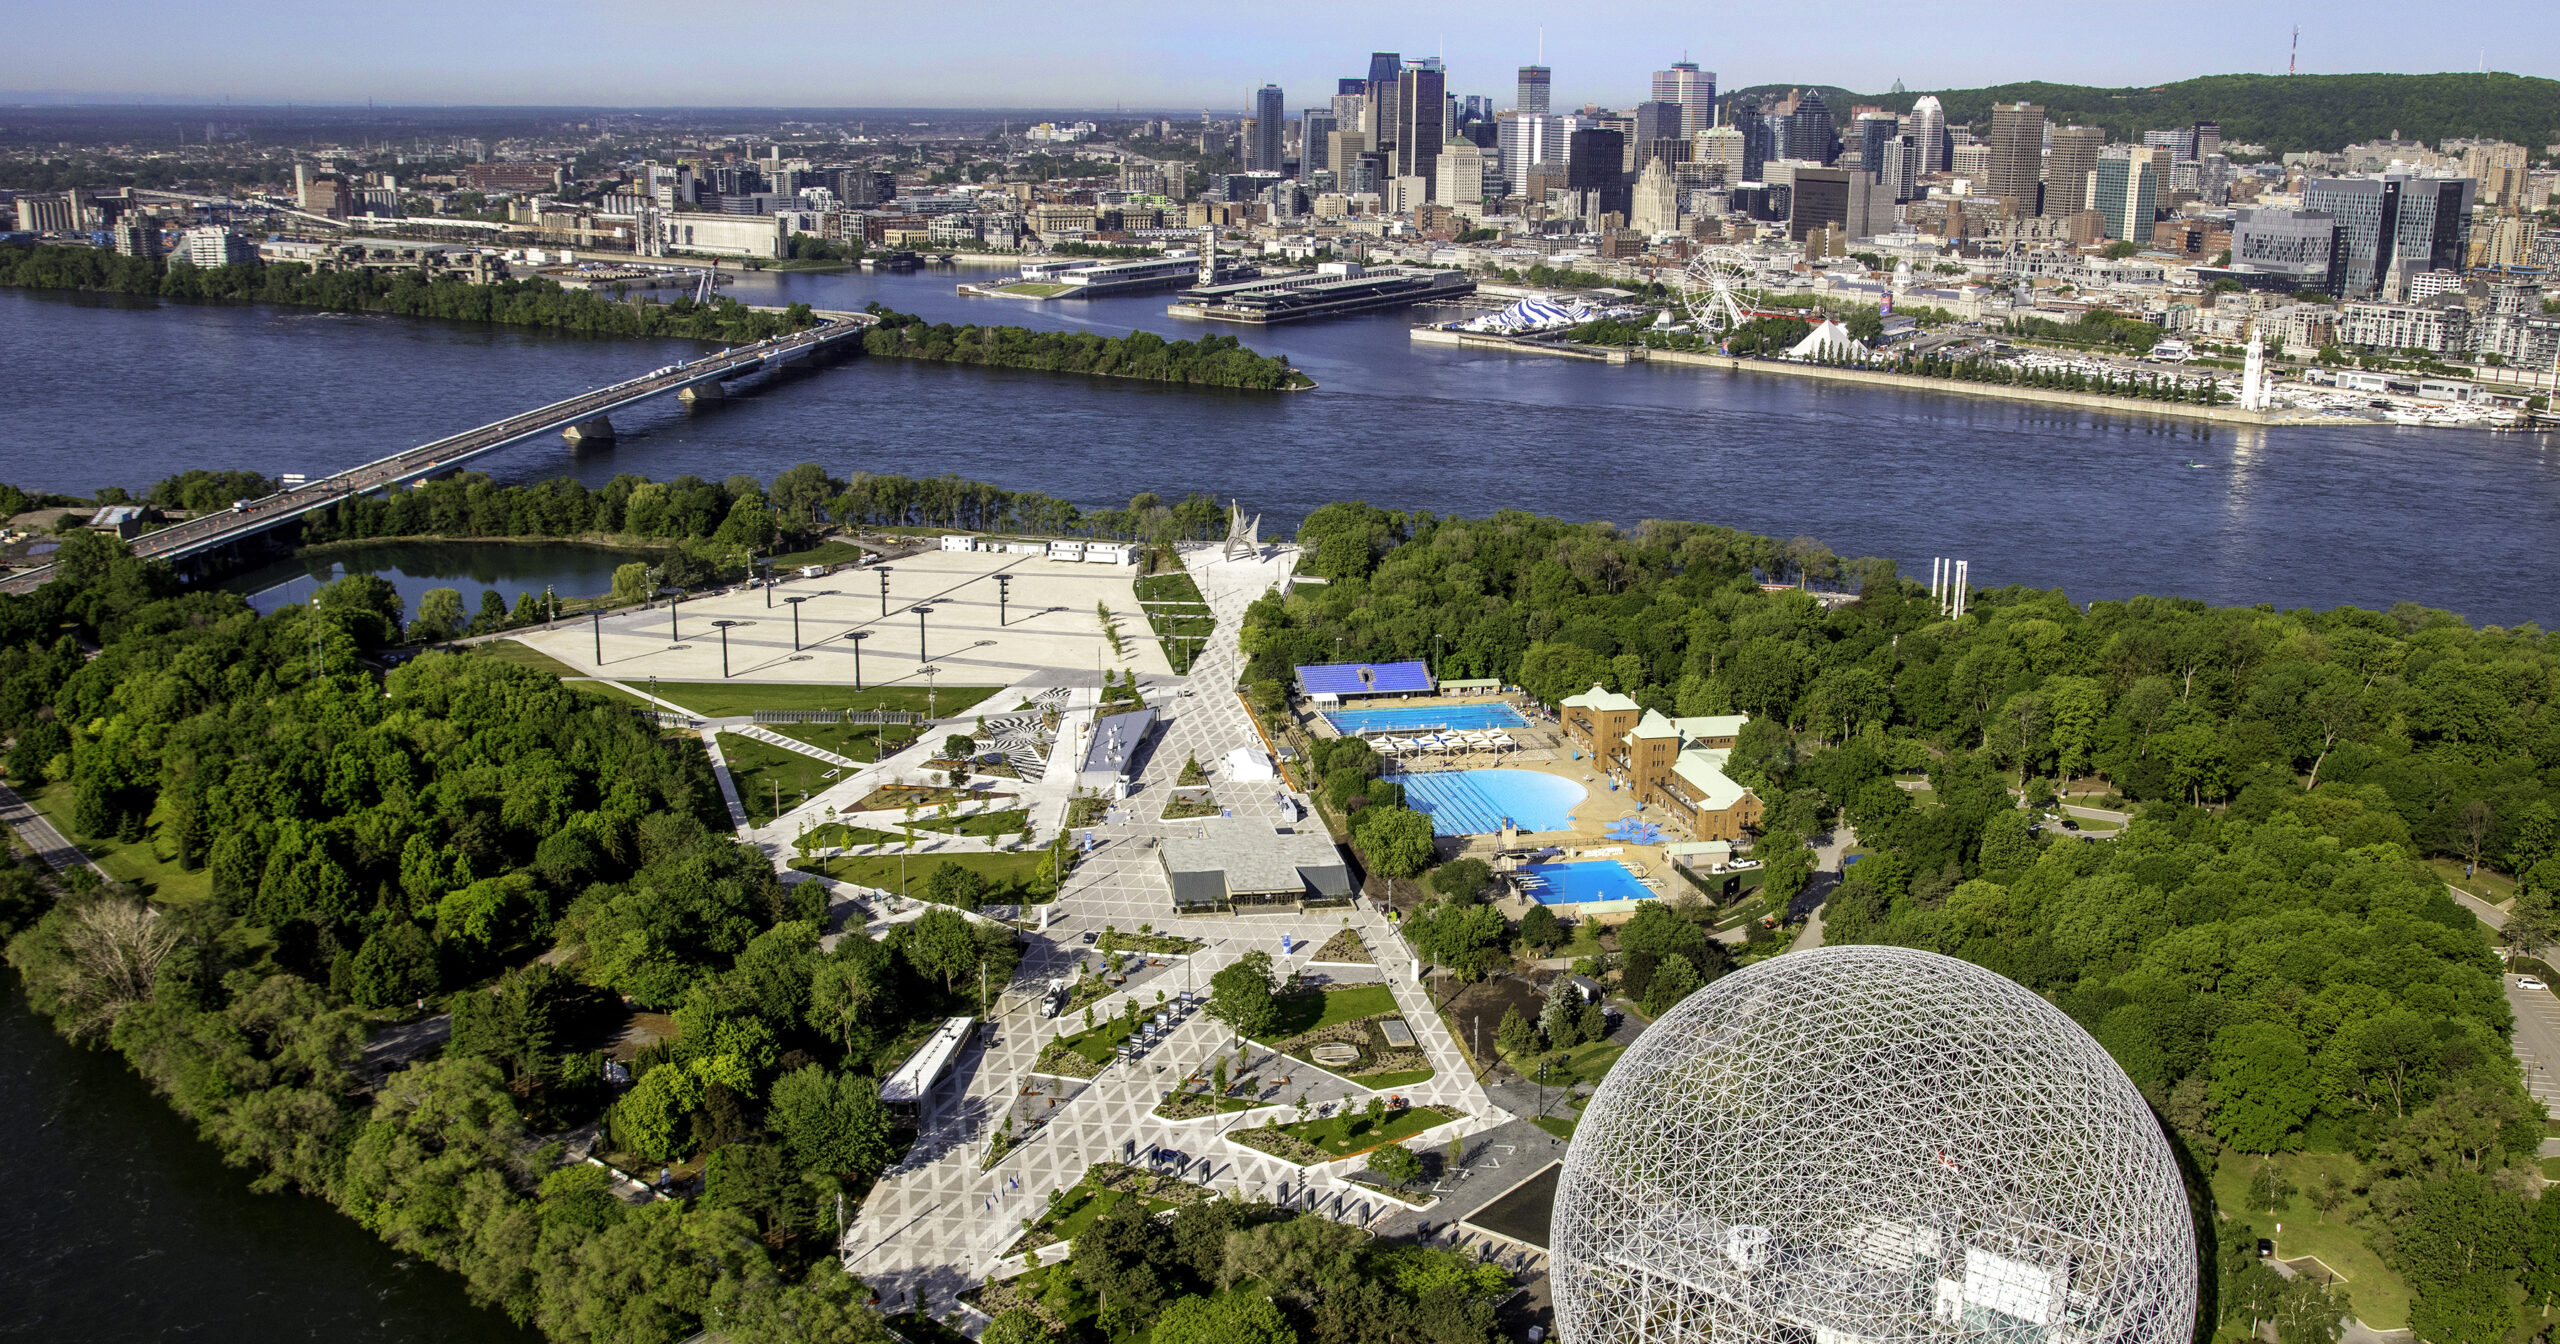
{"points": [[1861, 1144]]}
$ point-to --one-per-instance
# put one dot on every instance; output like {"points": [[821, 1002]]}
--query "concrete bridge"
{"points": [[582, 418]]}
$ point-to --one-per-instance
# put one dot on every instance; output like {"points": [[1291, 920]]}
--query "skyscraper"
{"points": [[1929, 132], [1693, 89], [2017, 156], [1812, 135], [1381, 122], [1656, 122], [1874, 131], [2127, 194], [2067, 169], [1421, 117], [1597, 167], [1315, 134], [1270, 122], [1533, 89]]}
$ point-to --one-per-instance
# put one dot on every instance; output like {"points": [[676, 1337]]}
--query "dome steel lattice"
{"points": [[1870, 1145]]}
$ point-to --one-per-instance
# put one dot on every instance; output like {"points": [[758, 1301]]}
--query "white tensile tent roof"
{"points": [[1248, 763]]}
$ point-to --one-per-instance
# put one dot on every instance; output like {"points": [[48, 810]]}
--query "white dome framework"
{"points": [[1870, 1145]]}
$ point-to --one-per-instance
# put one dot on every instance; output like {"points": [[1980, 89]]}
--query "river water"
{"points": [[121, 1226], [2098, 503]]}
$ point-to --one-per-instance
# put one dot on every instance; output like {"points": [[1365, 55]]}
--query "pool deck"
{"points": [[1543, 748]]}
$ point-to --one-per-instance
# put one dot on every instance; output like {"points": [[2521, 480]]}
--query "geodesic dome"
{"points": [[1870, 1144]]}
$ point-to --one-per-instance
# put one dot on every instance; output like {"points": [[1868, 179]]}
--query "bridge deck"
{"points": [[443, 455]]}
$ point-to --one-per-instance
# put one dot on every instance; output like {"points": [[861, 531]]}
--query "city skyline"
{"points": [[1145, 57]]}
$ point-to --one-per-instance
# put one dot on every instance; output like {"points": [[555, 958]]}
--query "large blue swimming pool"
{"points": [[1425, 719], [1579, 883], [1474, 802]]}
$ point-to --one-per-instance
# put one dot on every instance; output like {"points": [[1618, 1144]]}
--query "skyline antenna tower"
{"points": [[2295, 55]]}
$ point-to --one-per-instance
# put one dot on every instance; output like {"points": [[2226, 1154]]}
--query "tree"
{"points": [[1240, 995], [831, 1123], [1397, 1163], [1515, 1037], [2478, 820], [953, 885], [941, 946], [2262, 1087], [1013, 1325], [2459, 1242], [1676, 978], [651, 1119], [1461, 880], [1395, 840], [1539, 928], [440, 616]]}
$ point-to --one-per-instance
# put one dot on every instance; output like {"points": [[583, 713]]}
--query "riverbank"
{"points": [[2224, 414]]}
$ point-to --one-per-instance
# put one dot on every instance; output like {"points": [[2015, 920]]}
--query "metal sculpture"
{"points": [[1870, 1145]]}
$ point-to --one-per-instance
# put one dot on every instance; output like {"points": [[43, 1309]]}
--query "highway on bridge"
{"points": [[446, 454]]}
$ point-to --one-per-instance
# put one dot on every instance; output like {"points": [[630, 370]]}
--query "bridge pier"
{"points": [[707, 390], [597, 431]]}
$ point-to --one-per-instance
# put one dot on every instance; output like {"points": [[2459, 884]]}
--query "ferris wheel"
{"points": [[1716, 287]]}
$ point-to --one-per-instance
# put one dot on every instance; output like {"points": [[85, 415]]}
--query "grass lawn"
{"points": [[1195, 1106], [1302, 1013], [1034, 289], [1344, 1136], [1008, 875], [2377, 1295], [824, 553], [1588, 1062], [1104, 1041], [525, 655], [1184, 623], [1381, 1082], [2488, 884], [139, 863], [855, 741], [767, 774], [1557, 1125], [727, 699]]}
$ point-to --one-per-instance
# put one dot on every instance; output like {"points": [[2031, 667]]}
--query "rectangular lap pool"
{"points": [[1582, 883], [1427, 718], [1477, 802]]}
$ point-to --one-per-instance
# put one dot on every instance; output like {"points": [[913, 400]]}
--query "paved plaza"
{"points": [[1049, 626], [942, 1221]]}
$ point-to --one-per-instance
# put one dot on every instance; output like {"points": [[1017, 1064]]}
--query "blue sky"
{"points": [[1104, 52]]}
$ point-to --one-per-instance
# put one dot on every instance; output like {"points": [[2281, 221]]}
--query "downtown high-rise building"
{"points": [[1657, 128], [2067, 168], [1929, 132], [1270, 124], [1421, 117], [2017, 157], [1693, 90], [1872, 131], [1316, 126], [1532, 98], [1596, 169], [1812, 135], [2394, 227], [1381, 90], [2125, 191]]}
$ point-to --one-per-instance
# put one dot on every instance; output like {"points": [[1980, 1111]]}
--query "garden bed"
{"points": [[1351, 1016], [1074, 1209], [1149, 942], [1188, 1104], [1312, 1141], [1345, 948]]}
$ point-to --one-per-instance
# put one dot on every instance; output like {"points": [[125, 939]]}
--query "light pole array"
{"points": [[921, 611], [857, 637], [884, 592], [794, 604], [1004, 588]]}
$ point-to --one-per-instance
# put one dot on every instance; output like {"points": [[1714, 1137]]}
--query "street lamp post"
{"points": [[672, 604], [1004, 589], [921, 612], [596, 620], [857, 637], [724, 646], [929, 674], [794, 604], [884, 592]]}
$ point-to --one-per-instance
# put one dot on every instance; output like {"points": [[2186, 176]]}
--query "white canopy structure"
{"points": [[1830, 341], [1248, 763]]}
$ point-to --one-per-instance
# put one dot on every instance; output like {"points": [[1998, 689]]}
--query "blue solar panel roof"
{"points": [[1363, 678]]}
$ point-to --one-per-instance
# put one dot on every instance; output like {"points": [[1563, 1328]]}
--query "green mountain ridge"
{"points": [[2282, 112]]}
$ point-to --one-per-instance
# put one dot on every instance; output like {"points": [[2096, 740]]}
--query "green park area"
{"points": [[986, 825], [139, 862], [1303, 1013], [824, 553], [1012, 879], [865, 742], [771, 779], [516, 654], [2304, 1182], [1033, 289]]}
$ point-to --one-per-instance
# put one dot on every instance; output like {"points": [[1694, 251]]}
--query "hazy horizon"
{"points": [[1112, 55]]}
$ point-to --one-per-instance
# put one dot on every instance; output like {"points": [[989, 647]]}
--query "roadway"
{"points": [[448, 453], [2537, 1034]]}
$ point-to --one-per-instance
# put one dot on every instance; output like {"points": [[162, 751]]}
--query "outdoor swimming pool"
{"points": [[1428, 718], [1582, 883], [1474, 802]]}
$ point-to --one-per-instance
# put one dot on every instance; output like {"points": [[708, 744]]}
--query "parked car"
{"points": [[2530, 982], [1090, 938]]}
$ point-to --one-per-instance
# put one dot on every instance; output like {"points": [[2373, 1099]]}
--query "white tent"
{"points": [[1248, 763], [1830, 341]]}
